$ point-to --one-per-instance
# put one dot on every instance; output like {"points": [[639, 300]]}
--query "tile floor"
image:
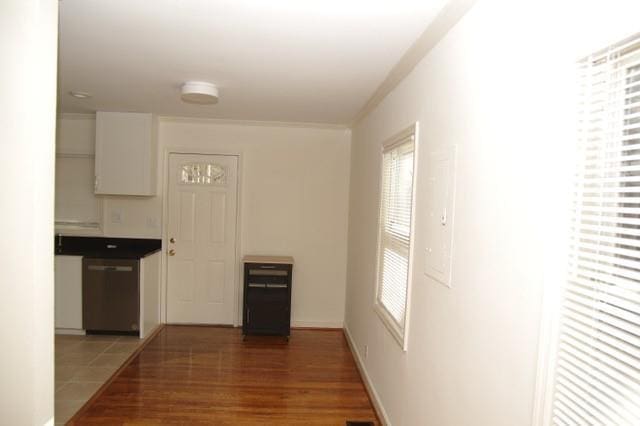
{"points": [[83, 364]]}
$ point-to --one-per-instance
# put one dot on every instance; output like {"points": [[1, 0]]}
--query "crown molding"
{"points": [[76, 115], [205, 120], [446, 19], [257, 123]]}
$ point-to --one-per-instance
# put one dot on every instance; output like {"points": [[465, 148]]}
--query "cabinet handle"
{"points": [[267, 266], [276, 286], [110, 268], [252, 285], [268, 272]]}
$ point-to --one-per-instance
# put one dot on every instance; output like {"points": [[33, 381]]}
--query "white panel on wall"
{"points": [[440, 208]]}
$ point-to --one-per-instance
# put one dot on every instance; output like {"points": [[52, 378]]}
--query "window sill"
{"points": [[395, 331]]}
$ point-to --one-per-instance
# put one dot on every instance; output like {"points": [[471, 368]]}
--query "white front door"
{"points": [[202, 197]]}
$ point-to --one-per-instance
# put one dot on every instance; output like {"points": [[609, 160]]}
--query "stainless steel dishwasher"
{"points": [[111, 295]]}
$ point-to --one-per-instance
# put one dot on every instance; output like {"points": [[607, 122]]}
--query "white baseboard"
{"points": [[317, 324], [375, 398], [148, 333], [71, 331]]}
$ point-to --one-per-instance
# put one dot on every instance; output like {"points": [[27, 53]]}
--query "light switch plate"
{"points": [[116, 217]]}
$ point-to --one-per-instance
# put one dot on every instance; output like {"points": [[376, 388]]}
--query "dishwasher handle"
{"points": [[115, 268]]}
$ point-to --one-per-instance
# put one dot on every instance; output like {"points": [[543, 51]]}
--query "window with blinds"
{"points": [[597, 364], [396, 203]]}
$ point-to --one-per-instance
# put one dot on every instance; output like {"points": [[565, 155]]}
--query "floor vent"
{"points": [[358, 423]]}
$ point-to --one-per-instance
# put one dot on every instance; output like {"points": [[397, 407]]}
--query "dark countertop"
{"points": [[106, 247]]}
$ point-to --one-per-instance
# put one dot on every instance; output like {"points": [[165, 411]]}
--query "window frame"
{"points": [[553, 298], [399, 333]]}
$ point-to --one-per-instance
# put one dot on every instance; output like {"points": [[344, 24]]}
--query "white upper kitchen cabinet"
{"points": [[125, 154]]}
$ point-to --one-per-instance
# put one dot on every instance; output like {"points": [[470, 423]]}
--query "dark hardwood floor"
{"points": [[208, 375]]}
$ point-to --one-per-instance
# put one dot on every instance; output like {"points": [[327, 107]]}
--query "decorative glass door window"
{"points": [[202, 174]]}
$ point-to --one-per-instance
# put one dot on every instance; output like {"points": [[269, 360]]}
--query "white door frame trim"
{"points": [[165, 225]]}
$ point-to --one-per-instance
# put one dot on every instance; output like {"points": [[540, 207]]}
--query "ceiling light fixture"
{"points": [[199, 92], [80, 95]]}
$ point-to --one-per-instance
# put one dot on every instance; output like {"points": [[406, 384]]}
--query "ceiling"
{"points": [[314, 61]]}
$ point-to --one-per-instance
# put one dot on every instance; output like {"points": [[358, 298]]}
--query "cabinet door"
{"points": [[268, 317], [268, 308], [68, 292], [125, 154]]}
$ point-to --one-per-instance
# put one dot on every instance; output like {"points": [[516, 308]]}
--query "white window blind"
{"points": [[395, 233], [597, 364]]}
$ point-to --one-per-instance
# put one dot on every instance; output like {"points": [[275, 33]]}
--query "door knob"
{"points": [[172, 240], [172, 252]]}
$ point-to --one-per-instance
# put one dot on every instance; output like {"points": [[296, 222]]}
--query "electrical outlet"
{"points": [[366, 351], [116, 217]]}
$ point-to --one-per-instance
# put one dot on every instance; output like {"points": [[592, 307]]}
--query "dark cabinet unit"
{"points": [[267, 295]]}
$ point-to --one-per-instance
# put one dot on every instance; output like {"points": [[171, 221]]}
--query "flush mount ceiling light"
{"points": [[80, 95], [199, 92]]}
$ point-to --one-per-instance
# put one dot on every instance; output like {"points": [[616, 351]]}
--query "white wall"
{"points": [[294, 198], [499, 85], [28, 47]]}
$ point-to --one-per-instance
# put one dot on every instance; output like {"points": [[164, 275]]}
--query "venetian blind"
{"points": [[597, 371], [395, 229]]}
